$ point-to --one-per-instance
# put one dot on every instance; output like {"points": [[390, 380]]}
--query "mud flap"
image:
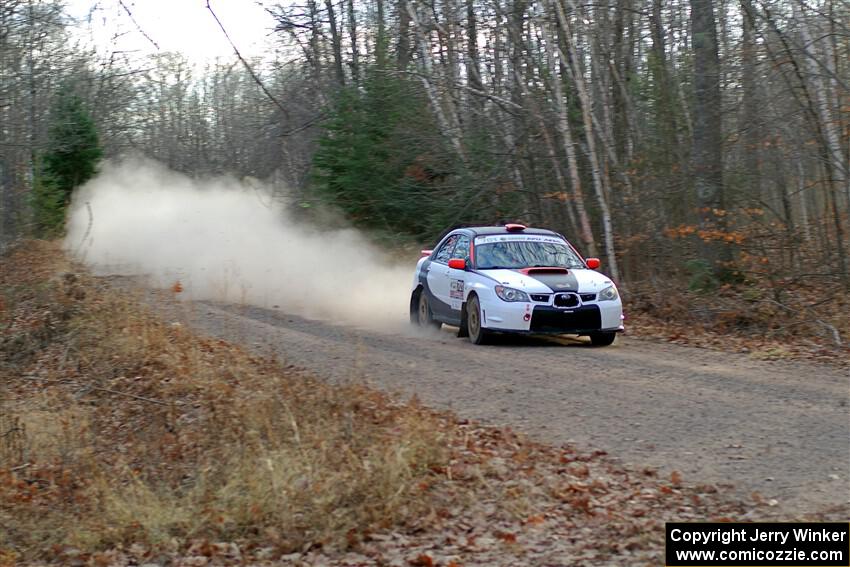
{"points": [[414, 307], [463, 330]]}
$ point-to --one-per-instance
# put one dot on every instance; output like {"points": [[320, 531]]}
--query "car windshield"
{"points": [[525, 254]]}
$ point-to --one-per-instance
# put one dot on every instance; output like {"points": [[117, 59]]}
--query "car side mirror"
{"points": [[457, 264], [593, 263]]}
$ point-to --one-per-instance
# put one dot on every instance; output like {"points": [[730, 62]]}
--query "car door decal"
{"points": [[456, 289]]}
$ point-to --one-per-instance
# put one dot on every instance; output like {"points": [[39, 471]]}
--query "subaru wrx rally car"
{"points": [[513, 279]]}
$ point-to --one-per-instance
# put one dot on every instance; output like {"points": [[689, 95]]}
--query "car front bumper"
{"points": [[521, 317]]}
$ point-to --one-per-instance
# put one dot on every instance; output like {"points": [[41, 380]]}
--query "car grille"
{"points": [[582, 319], [566, 300], [544, 297], [587, 296]]}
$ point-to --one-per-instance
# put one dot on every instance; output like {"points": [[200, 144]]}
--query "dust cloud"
{"points": [[229, 240]]}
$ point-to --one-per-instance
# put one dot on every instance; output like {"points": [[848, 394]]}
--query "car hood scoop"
{"points": [[555, 278], [543, 270]]}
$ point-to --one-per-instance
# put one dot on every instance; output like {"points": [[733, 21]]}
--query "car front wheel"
{"points": [[477, 334], [602, 338]]}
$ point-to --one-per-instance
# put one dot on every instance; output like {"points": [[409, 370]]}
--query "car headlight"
{"points": [[510, 294], [608, 294]]}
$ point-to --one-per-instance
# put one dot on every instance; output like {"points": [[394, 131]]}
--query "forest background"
{"points": [[692, 145]]}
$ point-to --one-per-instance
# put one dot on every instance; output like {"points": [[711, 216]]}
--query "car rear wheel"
{"points": [[477, 334], [602, 338], [423, 313]]}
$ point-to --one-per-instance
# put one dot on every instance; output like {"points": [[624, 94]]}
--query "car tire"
{"points": [[477, 334], [602, 338], [423, 316]]}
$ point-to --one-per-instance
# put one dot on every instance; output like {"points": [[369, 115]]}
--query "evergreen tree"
{"points": [[70, 160], [48, 204], [382, 161]]}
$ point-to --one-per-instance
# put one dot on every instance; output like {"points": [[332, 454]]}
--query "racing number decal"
{"points": [[456, 293], [456, 289]]}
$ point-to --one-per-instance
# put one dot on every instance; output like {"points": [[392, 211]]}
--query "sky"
{"points": [[185, 26]]}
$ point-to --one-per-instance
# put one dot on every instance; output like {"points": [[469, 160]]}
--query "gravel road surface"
{"points": [[777, 428]]}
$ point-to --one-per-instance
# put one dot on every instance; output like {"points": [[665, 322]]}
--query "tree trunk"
{"points": [[381, 39], [473, 75], [315, 43], [352, 35], [750, 118], [336, 44], [403, 47], [707, 157]]}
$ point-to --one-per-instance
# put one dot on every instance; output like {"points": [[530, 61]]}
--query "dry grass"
{"points": [[789, 322], [116, 427]]}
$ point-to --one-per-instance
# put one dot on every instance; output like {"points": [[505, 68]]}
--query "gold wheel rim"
{"points": [[423, 310], [474, 323]]}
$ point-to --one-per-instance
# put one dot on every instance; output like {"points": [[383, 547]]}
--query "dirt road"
{"points": [[779, 429]]}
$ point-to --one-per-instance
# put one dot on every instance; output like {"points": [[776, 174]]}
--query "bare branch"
{"points": [[250, 70], [138, 27]]}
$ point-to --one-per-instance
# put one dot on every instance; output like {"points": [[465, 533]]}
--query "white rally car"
{"points": [[513, 279]]}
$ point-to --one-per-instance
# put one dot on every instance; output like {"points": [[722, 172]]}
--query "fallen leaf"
{"points": [[676, 478], [581, 502], [422, 561], [578, 470]]}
